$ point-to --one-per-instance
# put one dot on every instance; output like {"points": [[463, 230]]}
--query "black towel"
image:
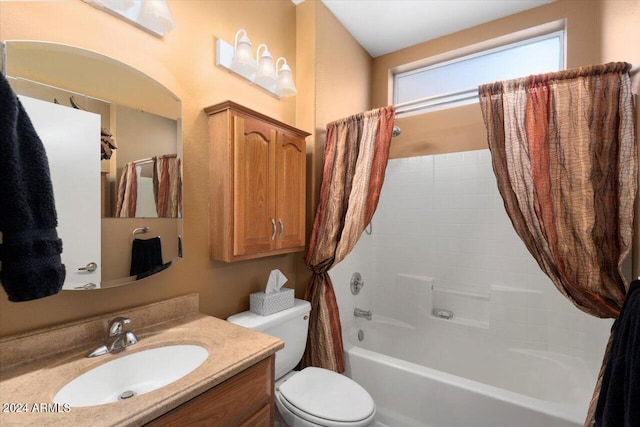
{"points": [[30, 252], [146, 257], [619, 400]]}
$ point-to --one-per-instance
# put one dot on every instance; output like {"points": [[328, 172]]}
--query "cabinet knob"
{"points": [[273, 224]]}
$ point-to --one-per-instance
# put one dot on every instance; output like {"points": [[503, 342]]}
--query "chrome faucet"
{"points": [[362, 313], [118, 338]]}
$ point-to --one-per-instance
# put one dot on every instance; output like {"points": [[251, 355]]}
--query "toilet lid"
{"points": [[328, 395]]}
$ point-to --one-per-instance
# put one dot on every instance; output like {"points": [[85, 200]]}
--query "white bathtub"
{"points": [[480, 386]]}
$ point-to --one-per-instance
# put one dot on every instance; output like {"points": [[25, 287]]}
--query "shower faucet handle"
{"points": [[356, 283]]}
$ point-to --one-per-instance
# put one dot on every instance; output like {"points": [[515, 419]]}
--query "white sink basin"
{"points": [[131, 375]]}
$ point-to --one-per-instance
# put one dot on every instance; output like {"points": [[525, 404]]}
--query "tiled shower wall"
{"points": [[441, 217]]}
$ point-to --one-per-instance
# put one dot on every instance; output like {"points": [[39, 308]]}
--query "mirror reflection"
{"points": [[131, 160]]}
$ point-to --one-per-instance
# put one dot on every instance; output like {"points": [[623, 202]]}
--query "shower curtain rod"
{"points": [[150, 159], [143, 161]]}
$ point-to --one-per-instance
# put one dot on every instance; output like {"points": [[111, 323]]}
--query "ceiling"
{"points": [[383, 26]]}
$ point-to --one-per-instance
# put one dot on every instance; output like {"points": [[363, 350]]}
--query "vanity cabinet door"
{"points": [[262, 418], [257, 189], [241, 401]]}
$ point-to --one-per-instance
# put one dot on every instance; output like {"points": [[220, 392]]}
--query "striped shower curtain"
{"points": [[167, 186], [127, 192], [564, 154], [355, 159]]}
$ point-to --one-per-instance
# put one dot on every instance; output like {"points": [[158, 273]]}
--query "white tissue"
{"points": [[275, 282]]}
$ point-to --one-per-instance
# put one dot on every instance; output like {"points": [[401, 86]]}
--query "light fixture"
{"points": [[285, 86], [260, 70], [243, 62], [155, 14], [266, 74], [152, 16]]}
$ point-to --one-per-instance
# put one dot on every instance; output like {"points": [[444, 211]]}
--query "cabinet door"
{"points": [[290, 191], [245, 400], [262, 418], [76, 189], [254, 144]]}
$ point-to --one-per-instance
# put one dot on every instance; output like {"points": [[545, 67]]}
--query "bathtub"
{"points": [[431, 382]]}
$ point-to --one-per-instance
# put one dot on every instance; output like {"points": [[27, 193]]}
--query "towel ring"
{"points": [[139, 230]]}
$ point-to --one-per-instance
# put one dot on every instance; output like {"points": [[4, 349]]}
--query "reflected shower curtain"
{"points": [[127, 192], [564, 154], [167, 186], [355, 159]]}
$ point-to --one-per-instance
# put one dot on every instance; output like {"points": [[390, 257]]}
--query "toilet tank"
{"points": [[290, 325]]}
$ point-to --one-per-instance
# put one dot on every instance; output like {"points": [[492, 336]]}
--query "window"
{"points": [[455, 82]]}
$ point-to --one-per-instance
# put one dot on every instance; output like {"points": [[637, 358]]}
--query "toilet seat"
{"points": [[327, 399]]}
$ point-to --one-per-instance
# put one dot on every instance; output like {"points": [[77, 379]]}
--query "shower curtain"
{"points": [[127, 192], [355, 159], [564, 154], [167, 186]]}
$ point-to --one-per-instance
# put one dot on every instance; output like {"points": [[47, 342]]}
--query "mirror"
{"points": [[134, 170]]}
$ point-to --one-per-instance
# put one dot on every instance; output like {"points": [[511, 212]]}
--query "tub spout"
{"points": [[362, 313]]}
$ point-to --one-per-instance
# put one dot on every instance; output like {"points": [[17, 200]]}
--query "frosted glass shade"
{"points": [[262, 72], [243, 62], [285, 86], [155, 14], [266, 74]]}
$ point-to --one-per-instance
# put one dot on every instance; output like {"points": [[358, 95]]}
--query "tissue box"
{"points": [[266, 304]]}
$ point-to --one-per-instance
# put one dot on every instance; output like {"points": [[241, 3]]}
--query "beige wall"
{"points": [[343, 79], [597, 31], [620, 32], [340, 72], [621, 42], [333, 74], [185, 63], [462, 128]]}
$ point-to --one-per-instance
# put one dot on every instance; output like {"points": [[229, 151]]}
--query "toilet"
{"points": [[311, 397]]}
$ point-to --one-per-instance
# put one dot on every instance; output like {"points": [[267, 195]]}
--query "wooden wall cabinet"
{"points": [[245, 400], [257, 187]]}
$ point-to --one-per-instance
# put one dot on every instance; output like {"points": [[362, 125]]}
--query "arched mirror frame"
{"points": [[91, 75]]}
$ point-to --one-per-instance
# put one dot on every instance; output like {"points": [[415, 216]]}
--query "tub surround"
{"points": [[35, 365], [442, 241]]}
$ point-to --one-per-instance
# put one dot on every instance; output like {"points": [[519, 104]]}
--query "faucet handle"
{"points": [[130, 339], [116, 325]]}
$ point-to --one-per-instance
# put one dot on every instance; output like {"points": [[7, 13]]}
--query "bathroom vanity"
{"points": [[233, 386]]}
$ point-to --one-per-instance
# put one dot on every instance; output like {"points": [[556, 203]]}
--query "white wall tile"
{"points": [[442, 216]]}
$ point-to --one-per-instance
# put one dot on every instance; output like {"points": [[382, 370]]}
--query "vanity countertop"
{"points": [[30, 374]]}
